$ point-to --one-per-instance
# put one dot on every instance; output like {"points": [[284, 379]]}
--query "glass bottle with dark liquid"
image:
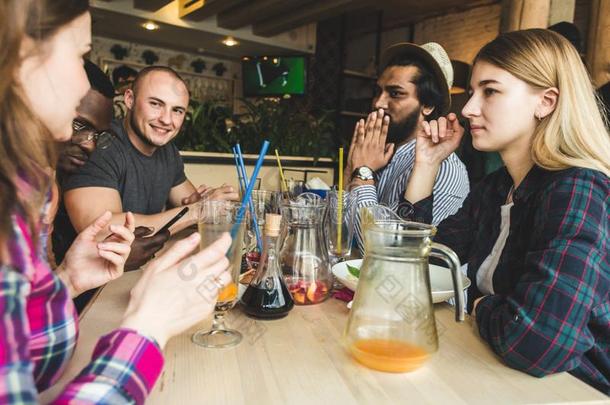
{"points": [[267, 296]]}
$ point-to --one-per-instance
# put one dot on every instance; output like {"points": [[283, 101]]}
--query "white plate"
{"points": [[440, 279]]}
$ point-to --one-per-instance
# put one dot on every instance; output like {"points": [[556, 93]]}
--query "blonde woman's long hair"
{"points": [[575, 134]]}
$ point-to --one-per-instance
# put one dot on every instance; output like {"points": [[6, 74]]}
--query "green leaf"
{"points": [[354, 271]]}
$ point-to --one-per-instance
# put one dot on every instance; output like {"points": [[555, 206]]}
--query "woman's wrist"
{"points": [[421, 181], [63, 275], [427, 166], [144, 327]]}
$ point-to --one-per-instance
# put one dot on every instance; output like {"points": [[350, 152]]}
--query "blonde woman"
{"points": [[534, 233]]}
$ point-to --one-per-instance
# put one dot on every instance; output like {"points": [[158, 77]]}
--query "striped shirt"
{"points": [[450, 187], [39, 332]]}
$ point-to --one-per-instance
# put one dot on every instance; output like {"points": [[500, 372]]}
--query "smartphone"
{"points": [[173, 220]]}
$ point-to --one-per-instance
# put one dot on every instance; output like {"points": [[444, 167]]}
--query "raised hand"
{"points": [[369, 146], [177, 291], [348, 170], [145, 246], [88, 263], [437, 139]]}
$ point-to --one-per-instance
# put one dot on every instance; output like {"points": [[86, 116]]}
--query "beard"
{"points": [[138, 131], [400, 131]]}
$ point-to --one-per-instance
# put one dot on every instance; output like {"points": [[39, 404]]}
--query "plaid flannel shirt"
{"points": [[551, 307], [39, 333]]}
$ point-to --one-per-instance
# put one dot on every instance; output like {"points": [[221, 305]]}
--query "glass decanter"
{"points": [[304, 253], [267, 296]]}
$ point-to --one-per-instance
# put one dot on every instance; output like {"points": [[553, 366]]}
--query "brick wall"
{"points": [[461, 34]]}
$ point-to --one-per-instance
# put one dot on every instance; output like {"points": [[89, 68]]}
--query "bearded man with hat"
{"points": [[413, 87]]}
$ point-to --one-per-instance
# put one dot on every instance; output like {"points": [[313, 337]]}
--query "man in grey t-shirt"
{"points": [[141, 171]]}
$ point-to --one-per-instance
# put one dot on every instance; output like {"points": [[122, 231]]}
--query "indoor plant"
{"points": [[290, 128]]}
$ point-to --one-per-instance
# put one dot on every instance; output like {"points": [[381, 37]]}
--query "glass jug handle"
{"points": [[450, 257]]}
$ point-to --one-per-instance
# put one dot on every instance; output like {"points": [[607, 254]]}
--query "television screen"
{"points": [[274, 75]]}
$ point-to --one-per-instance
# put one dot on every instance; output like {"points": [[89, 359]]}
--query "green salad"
{"points": [[354, 271]]}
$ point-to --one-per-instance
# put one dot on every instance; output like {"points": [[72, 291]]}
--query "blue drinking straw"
{"points": [[243, 180], [246, 197], [242, 184], [244, 176], [239, 178]]}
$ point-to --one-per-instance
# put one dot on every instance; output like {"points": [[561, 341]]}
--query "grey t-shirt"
{"points": [[144, 182]]}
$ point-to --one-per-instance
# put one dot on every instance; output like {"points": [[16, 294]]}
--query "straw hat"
{"points": [[433, 55]]}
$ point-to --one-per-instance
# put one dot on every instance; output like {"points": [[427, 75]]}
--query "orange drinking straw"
{"points": [[340, 202], [279, 165]]}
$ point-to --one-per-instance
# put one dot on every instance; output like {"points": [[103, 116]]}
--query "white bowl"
{"points": [[441, 282]]}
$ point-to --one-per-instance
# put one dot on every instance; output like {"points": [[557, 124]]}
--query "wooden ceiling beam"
{"points": [[197, 10], [150, 5], [308, 13], [256, 11]]}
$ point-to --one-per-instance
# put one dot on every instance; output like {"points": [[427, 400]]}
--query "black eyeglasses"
{"points": [[84, 133]]}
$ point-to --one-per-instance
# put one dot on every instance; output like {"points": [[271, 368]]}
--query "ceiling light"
{"points": [[151, 26], [230, 41]]}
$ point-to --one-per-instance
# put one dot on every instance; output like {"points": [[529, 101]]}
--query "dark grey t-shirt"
{"points": [[144, 182]]}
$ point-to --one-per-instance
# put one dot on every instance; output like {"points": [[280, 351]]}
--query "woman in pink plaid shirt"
{"points": [[41, 83]]}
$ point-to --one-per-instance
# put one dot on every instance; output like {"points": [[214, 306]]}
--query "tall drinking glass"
{"points": [[215, 218], [265, 202], [339, 224]]}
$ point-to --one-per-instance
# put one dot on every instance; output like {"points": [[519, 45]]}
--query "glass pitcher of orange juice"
{"points": [[391, 326]]}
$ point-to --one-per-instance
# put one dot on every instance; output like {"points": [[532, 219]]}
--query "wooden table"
{"points": [[299, 360]]}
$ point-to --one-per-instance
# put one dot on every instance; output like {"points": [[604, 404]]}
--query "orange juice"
{"points": [[229, 293], [388, 355]]}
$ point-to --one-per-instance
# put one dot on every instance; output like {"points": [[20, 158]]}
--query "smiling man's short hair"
{"points": [[150, 69]]}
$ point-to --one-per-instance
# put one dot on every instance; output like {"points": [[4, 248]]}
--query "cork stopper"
{"points": [[272, 224]]}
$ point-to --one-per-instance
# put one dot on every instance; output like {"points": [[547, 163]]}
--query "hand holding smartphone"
{"points": [[173, 220]]}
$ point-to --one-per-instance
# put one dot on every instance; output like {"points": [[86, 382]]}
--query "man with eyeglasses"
{"points": [[91, 128], [91, 131]]}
